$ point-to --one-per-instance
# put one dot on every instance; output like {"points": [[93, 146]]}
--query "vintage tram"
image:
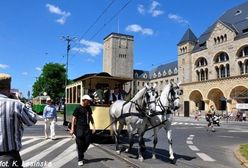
{"points": [[91, 84], [39, 104]]}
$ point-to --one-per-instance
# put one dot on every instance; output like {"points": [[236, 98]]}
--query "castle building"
{"points": [[213, 68]]}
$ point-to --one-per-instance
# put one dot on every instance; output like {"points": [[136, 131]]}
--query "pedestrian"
{"points": [[116, 95], [50, 118], [13, 115], [82, 116], [244, 116], [209, 117]]}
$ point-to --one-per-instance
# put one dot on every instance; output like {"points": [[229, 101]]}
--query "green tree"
{"points": [[51, 81]]}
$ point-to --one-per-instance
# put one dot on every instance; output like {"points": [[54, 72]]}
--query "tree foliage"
{"points": [[51, 81]]}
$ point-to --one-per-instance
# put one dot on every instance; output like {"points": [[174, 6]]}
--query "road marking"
{"points": [[174, 123], [205, 157], [65, 157], [29, 141], [227, 136], [193, 148], [189, 142], [238, 131], [46, 152], [29, 149], [180, 123], [190, 138]]}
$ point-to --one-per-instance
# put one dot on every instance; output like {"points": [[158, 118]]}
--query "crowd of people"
{"points": [[106, 96]]}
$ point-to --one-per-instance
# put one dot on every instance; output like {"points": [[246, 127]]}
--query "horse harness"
{"points": [[165, 109]]}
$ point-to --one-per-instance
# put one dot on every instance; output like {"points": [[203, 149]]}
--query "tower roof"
{"points": [[188, 36], [235, 19], [117, 34]]}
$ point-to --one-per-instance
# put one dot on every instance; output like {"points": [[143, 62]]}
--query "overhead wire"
{"points": [[94, 23], [112, 18]]}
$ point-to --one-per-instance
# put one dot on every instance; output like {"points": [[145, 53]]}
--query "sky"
{"points": [[31, 32]]}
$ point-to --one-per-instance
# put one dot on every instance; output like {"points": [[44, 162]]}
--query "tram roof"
{"points": [[102, 75]]}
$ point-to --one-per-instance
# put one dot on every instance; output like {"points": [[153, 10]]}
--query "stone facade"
{"points": [[118, 55], [217, 64]]}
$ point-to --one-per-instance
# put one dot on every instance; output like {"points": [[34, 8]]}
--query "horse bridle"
{"points": [[170, 98], [138, 107]]}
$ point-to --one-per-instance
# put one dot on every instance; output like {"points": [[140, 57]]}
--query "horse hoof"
{"points": [[154, 157], [141, 159], [118, 152], [173, 161]]}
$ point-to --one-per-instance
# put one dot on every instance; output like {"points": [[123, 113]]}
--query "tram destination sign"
{"points": [[242, 106]]}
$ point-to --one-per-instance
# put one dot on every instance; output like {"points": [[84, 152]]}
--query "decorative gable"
{"points": [[221, 34]]}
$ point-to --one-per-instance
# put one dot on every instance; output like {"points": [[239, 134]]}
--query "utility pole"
{"points": [[68, 39]]}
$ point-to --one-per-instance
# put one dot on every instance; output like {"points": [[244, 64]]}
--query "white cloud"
{"points": [[38, 68], [56, 10], [24, 73], [141, 9], [3, 66], [89, 47], [152, 9], [139, 29], [178, 19]]}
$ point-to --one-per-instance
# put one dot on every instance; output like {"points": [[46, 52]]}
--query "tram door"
{"points": [[186, 108]]}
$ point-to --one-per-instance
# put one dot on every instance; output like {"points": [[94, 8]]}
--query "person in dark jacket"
{"points": [[116, 95], [82, 117]]}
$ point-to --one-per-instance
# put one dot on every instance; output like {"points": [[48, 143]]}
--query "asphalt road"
{"points": [[193, 147]]}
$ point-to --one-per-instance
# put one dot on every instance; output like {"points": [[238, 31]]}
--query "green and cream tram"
{"points": [[91, 84], [39, 104]]}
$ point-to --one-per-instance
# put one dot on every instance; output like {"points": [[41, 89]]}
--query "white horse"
{"points": [[162, 116], [133, 114]]}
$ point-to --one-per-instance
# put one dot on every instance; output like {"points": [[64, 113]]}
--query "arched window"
{"points": [[221, 57], [227, 70], [206, 74], [198, 75], [215, 40], [218, 40], [202, 75], [246, 66], [243, 52], [225, 37], [201, 62], [241, 67], [221, 39], [222, 71], [217, 72]]}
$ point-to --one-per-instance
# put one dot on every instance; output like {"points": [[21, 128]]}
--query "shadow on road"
{"points": [[97, 160]]}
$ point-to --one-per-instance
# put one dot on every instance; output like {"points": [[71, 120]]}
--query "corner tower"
{"points": [[185, 48], [118, 55]]}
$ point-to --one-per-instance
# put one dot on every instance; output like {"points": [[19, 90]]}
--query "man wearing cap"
{"points": [[82, 116], [50, 117], [13, 115]]}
